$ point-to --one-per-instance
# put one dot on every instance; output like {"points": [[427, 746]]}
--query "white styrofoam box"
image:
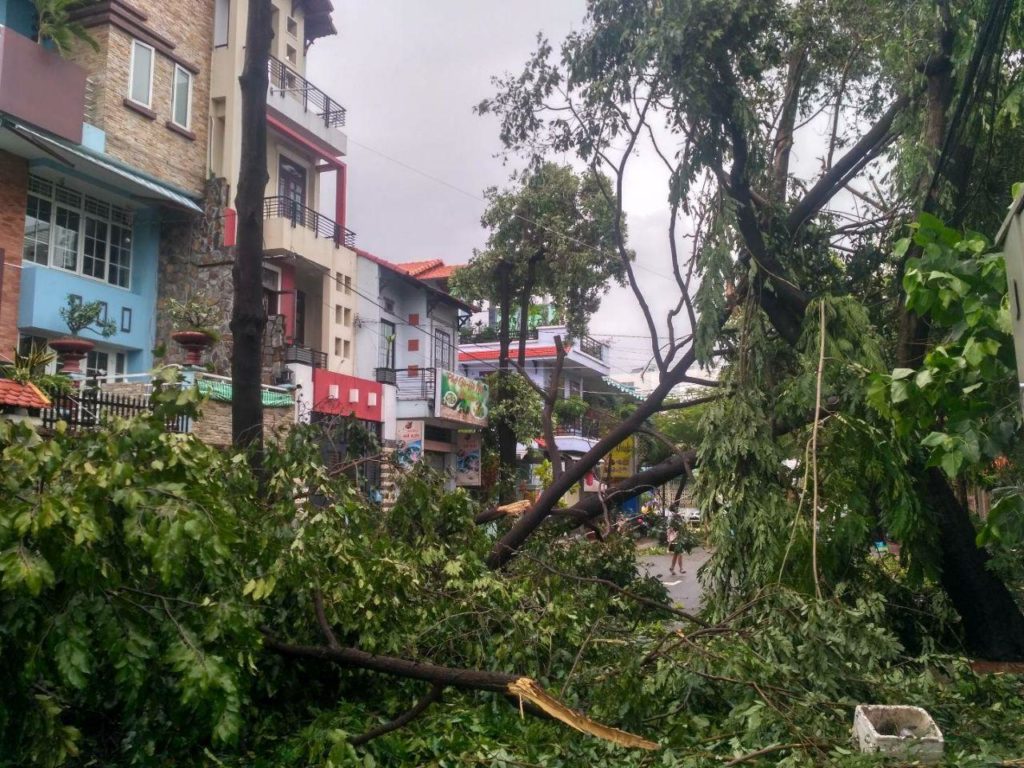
{"points": [[907, 732]]}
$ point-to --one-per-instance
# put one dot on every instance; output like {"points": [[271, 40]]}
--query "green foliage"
{"points": [[80, 316], [571, 410], [31, 366], [562, 222], [515, 403], [195, 314], [961, 405], [55, 25]]}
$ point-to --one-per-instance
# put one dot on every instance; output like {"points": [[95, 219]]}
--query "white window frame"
{"points": [[83, 213], [174, 97], [148, 104]]}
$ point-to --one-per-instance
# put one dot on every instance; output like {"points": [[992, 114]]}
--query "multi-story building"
{"points": [[406, 338], [102, 164]]}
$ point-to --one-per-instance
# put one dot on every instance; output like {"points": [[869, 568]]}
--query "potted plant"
{"points": [[80, 316], [55, 23], [195, 320]]}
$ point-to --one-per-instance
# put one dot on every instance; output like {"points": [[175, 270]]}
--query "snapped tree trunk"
{"points": [[248, 317]]}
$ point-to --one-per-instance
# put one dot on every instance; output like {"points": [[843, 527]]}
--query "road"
{"points": [[684, 588]]}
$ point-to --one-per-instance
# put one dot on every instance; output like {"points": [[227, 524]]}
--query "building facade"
{"points": [[407, 338], [103, 155]]}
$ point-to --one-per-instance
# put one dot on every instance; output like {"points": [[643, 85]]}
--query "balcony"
{"points": [[303, 216], [592, 347], [306, 106], [416, 383], [293, 229], [299, 353], [39, 87]]}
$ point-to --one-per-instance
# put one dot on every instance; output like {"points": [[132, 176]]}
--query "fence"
{"points": [[291, 84], [88, 409], [415, 383]]}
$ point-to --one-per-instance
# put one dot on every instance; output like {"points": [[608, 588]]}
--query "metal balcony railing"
{"points": [[299, 353], [592, 347], [302, 216], [415, 383], [294, 86]]}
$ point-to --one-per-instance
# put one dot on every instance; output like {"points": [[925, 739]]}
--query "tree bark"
{"points": [[506, 436], [248, 318], [993, 624]]}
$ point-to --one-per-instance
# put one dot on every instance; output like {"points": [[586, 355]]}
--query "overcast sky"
{"points": [[409, 73]]}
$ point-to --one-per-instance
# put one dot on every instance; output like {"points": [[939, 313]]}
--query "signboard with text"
{"points": [[620, 461], [461, 399], [410, 442], [468, 455]]}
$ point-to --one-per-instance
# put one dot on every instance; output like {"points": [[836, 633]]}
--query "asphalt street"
{"points": [[684, 588]]}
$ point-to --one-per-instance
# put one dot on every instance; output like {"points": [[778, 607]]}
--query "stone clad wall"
{"points": [[214, 427], [139, 138]]}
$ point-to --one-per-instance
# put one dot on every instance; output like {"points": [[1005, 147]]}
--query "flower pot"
{"points": [[193, 342], [71, 350]]}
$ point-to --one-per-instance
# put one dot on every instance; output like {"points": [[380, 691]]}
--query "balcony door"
{"points": [[291, 186]]}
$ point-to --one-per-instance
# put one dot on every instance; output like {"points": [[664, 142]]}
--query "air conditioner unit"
{"points": [[285, 376]]}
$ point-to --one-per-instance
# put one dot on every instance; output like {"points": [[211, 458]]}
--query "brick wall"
{"points": [[13, 186], [142, 141]]}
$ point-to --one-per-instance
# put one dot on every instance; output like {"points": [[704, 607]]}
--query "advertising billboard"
{"points": [[410, 442], [461, 399], [468, 454]]}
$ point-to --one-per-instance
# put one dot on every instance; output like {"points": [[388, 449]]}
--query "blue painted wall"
{"points": [[44, 290], [19, 15]]}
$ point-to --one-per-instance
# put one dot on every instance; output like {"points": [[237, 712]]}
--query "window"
{"points": [[338, 314], [97, 364], [71, 231], [346, 350], [348, 284], [181, 97], [386, 357], [126, 319], [271, 289], [339, 281], [221, 14], [290, 55], [348, 316], [140, 81], [292, 26], [36, 247], [443, 349], [337, 347]]}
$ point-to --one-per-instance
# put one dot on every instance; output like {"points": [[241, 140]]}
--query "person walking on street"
{"points": [[676, 545]]}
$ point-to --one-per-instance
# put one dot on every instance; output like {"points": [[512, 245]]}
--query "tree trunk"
{"points": [[548, 416], [248, 318], [993, 623], [506, 436]]}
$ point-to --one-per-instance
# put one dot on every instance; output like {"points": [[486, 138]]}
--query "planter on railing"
{"points": [[194, 343]]}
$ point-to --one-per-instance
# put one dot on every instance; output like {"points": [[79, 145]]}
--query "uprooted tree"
{"points": [[787, 265]]}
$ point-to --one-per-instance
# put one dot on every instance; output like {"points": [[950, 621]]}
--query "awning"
{"points": [[219, 390], [104, 168]]}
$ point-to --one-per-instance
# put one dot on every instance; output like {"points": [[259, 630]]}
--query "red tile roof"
{"points": [[22, 395], [417, 268], [475, 355], [442, 272]]}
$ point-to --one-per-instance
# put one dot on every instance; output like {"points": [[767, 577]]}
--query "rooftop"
{"points": [[13, 393]]}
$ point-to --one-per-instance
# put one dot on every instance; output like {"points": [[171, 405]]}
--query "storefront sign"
{"points": [[620, 461], [468, 456], [410, 442], [461, 399]]}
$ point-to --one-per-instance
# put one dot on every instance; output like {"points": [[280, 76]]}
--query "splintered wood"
{"points": [[515, 507], [527, 689]]}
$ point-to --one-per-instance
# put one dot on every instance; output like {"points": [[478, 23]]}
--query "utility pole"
{"points": [[248, 317]]}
